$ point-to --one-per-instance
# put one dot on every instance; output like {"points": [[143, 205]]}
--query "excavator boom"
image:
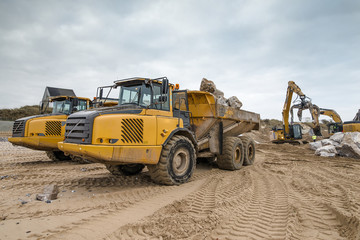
{"points": [[292, 88]]}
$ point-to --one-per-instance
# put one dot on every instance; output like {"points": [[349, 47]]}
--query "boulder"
{"points": [[50, 193], [337, 137], [207, 86], [218, 93], [352, 137], [222, 101], [348, 150], [315, 145], [326, 142], [234, 102], [326, 151]]}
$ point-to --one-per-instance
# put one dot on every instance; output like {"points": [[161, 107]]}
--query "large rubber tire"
{"points": [[177, 162], [249, 150], [79, 160], [126, 169], [57, 156], [233, 154]]}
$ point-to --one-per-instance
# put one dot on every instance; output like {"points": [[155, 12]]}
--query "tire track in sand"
{"points": [[195, 216], [100, 227], [314, 218], [263, 216]]}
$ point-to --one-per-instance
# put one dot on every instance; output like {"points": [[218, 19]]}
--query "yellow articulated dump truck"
{"points": [[43, 132], [166, 129]]}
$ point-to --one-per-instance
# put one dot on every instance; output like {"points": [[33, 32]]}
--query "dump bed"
{"points": [[207, 113]]}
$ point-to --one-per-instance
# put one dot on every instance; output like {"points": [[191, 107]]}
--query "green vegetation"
{"points": [[270, 123], [16, 113]]}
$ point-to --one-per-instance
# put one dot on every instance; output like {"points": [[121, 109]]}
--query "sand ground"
{"points": [[287, 194]]}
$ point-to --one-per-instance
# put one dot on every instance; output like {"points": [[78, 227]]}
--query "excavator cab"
{"points": [[334, 128], [295, 131]]}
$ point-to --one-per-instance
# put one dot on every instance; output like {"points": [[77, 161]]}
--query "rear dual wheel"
{"points": [[233, 154], [249, 150], [237, 151]]}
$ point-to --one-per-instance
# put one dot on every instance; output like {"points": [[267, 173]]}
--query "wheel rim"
{"points": [[237, 154], [181, 161]]}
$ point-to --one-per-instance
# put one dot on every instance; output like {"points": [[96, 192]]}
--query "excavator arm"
{"points": [[314, 111], [292, 88], [331, 113]]}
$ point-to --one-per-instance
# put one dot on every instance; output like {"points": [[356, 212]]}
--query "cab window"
{"points": [[82, 105], [157, 103]]}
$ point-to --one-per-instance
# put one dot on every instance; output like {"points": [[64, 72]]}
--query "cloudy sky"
{"points": [[249, 48]]}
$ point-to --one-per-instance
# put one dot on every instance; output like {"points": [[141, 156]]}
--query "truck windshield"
{"points": [[143, 96], [65, 106], [62, 106]]}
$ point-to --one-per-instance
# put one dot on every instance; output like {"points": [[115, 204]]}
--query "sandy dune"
{"points": [[287, 194]]}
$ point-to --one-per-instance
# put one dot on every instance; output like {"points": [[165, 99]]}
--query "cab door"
{"points": [[181, 107]]}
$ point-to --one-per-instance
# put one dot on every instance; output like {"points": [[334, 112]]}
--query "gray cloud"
{"points": [[249, 48]]}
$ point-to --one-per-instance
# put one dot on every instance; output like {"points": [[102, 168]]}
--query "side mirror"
{"points": [[165, 86]]}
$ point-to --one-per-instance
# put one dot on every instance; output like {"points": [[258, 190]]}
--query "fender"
{"points": [[184, 132]]}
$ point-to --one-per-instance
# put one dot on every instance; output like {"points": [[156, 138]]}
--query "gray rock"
{"points": [[352, 137], [326, 151], [234, 102], [3, 177], [346, 149], [41, 197], [326, 142], [207, 86], [50, 193], [315, 145], [222, 101], [337, 137], [218, 93]]}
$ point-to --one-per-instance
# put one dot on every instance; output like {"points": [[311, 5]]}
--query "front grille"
{"points": [[53, 128], [132, 130], [18, 128], [76, 130]]}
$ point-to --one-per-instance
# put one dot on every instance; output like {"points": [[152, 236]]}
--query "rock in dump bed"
{"points": [[209, 86]]}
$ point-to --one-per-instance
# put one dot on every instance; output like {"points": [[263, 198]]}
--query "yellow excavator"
{"points": [[292, 133], [337, 125], [354, 125]]}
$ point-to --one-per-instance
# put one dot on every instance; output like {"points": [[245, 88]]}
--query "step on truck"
{"points": [[166, 129]]}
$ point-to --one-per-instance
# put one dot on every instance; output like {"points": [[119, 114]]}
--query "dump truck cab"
{"points": [[154, 124], [43, 132], [69, 104]]}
